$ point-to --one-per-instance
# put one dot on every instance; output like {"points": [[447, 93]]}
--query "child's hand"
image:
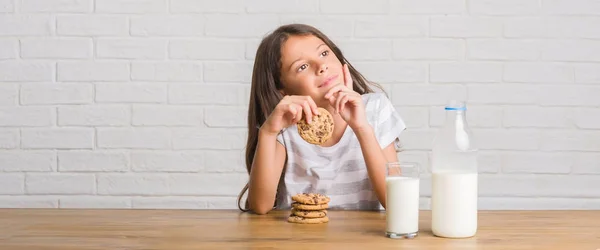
{"points": [[347, 102], [289, 111]]}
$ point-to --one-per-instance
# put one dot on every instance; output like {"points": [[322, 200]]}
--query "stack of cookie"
{"points": [[309, 208]]}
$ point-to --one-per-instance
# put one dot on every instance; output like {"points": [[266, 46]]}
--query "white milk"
{"points": [[454, 204], [402, 205]]}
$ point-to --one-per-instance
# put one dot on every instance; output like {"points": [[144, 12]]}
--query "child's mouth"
{"points": [[328, 81]]}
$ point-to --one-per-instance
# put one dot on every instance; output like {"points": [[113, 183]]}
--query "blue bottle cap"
{"points": [[456, 108], [456, 105]]}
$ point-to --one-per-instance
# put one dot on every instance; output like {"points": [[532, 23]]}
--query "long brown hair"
{"points": [[266, 83]]}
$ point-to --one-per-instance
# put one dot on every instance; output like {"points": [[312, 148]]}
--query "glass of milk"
{"points": [[402, 200]]}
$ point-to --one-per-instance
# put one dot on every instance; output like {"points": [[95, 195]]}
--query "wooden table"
{"points": [[64, 229]]}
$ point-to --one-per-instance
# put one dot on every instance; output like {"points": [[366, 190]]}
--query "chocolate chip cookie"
{"points": [[302, 220], [309, 213], [319, 130], [301, 206], [311, 198]]}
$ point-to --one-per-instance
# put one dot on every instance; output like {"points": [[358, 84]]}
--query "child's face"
{"points": [[309, 67]]}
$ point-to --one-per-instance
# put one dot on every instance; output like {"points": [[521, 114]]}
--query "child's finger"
{"points": [[307, 111], [332, 100], [334, 89], [347, 77], [313, 106], [343, 102], [292, 110], [298, 113], [339, 100]]}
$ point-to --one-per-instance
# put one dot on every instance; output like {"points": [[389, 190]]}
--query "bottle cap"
{"points": [[456, 105], [458, 108]]}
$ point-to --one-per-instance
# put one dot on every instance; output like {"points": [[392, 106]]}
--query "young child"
{"points": [[297, 69]]}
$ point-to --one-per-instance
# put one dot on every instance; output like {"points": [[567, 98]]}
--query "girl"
{"points": [[297, 69]]}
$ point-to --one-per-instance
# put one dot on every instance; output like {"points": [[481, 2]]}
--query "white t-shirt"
{"points": [[338, 171]]}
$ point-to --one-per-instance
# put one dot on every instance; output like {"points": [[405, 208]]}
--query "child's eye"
{"points": [[303, 67], [325, 53]]}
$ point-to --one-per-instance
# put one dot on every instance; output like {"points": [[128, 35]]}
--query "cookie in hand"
{"points": [[319, 130]]}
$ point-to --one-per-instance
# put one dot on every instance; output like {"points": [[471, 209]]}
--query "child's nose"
{"points": [[323, 68]]}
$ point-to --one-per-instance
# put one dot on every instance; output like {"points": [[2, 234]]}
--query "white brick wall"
{"points": [[479, 72], [465, 27], [92, 25], [428, 6], [221, 49], [166, 71], [142, 103], [30, 71], [88, 71], [57, 138], [56, 93], [166, 25], [94, 115], [26, 25], [53, 48], [136, 48], [10, 48], [174, 115], [175, 161], [503, 7], [131, 6], [134, 137], [9, 138], [28, 161], [60, 183], [208, 6], [7, 6], [56, 6], [93, 161], [131, 92]]}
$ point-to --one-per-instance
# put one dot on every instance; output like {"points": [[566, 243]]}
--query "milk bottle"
{"points": [[454, 177]]}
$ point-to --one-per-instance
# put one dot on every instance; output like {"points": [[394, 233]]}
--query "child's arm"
{"points": [[265, 173], [349, 105], [375, 159], [270, 155]]}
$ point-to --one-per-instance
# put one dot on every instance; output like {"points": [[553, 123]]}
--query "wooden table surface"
{"points": [[64, 229]]}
